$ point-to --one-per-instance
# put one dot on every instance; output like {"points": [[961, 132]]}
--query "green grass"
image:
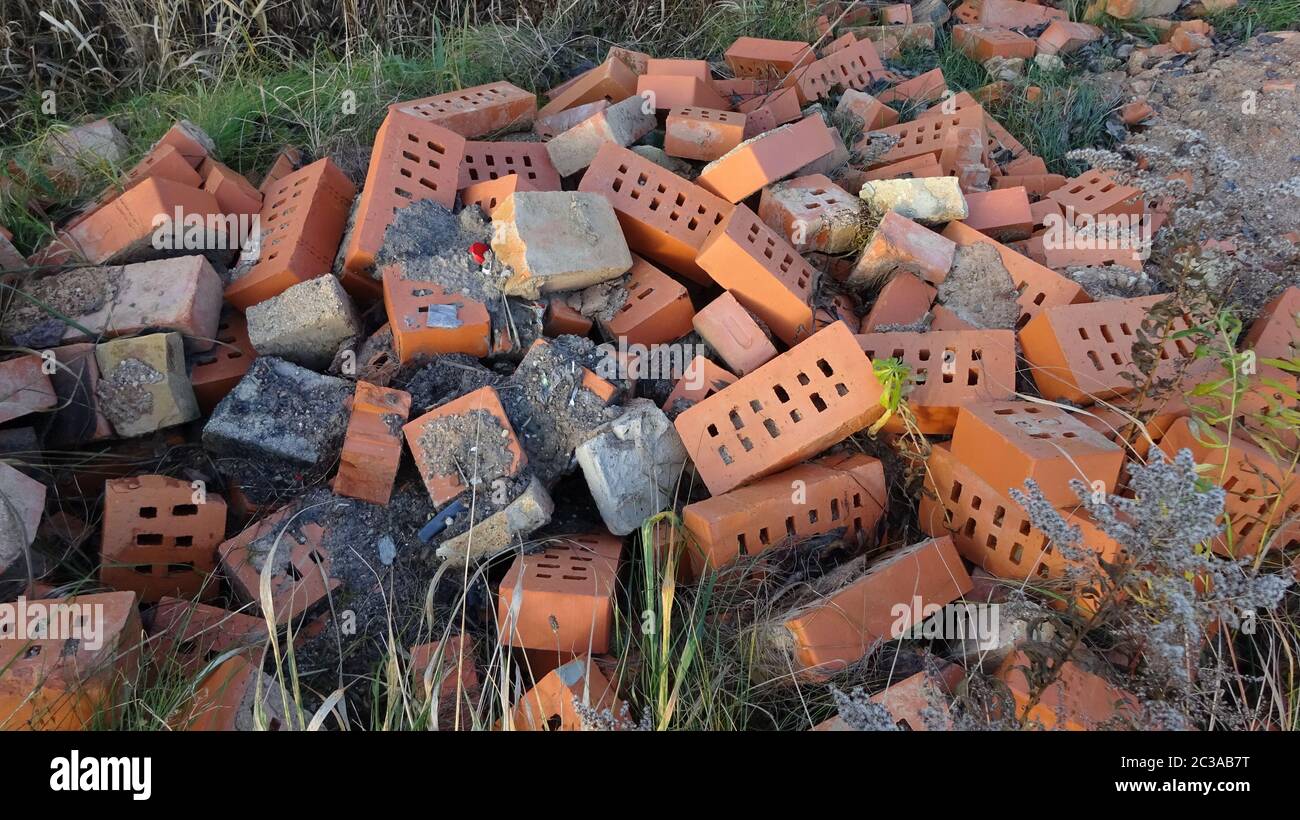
{"points": [[1251, 17]]}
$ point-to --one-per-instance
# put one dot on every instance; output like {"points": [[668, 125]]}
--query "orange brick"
{"points": [[1026, 164], [1007, 442], [561, 121], [793, 407], [668, 91], [872, 112], [1065, 37], [945, 319], [561, 598], [926, 136], [287, 161], [898, 243], [918, 167], [234, 194], [702, 133], [180, 137], [426, 319], [763, 272], [772, 156], [982, 43], [560, 319], [838, 630], [413, 160], [1017, 14], [445, 486], [550, 705], [903, 300], [664, 218], [813, 213], [1036, 185], [302, 221], [1076, 700], [612, 81], [487, 161], [1001, 214], [897, 14], [1039, 287], [843, 491], [25, 387], [781, 103], [1261, 494], [159, 539], [855, 66], [1096, 192], [454, 659], [926, 87], [1136, 112], [57, 684], [216, 372], [678, 68], [301, 576], [488, 195], [372, 448], [1276, 333], [226, 699], [1081, 352], [190, 634], [733, 334], [473, 112], [757, 57], [701, 379], [949, 369], [658, 308]]}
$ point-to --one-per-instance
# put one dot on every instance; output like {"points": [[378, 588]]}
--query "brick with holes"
{"points": [[1074, 699], [488, 195], [428, 320], [1082, 352], [1094, 193], [487, 161], [1017, 14], [855, 66], [1263, 496], [622, 123], [300, 567], [767, 158], [813, 213], [948, 370], [758, 57], [899, 244], [857, 607], [372, 448], [844, 490], [925, 136], [302, 221], [903, 300], [446, 457], [561, 318], [981, 43], [160, 537], [763, 272], [782, 104], [926, 87], [561, 598], [700, 379], [474, 112], [413, 160], [919, 703], [871, 112], [729, 329], [561, 121], [993, 532], [791, 408], [68, 683], [1036, 185], [702, 133], [190, 634], [1276, 333], [216, 372], [1007, 442], [612, 80], [1040, 287], [551, 704], [658, 308], [664, 218], [234, 193]]}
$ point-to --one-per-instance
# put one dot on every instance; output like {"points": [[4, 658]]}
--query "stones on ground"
{"points": [[142, 384], [555, 240], [308, 324], [632, 465]]}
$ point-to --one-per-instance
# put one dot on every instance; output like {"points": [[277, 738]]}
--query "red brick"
{"points": [[782, 103], [918, 167], [234, 695], [791, 408], [638, 61], [1081, 352], [413, 160], [768, 158], [872, 112], [763, 272], [1261, 494], [24, 387], [664, 218], [903, 300], [302, 221], [926, 87], [234, 193], [837, 491], [372, 448], [1065, 37], [1017, 14], [445, 487], [1026, 165], [302, 576], [562, 597], [896, 14], [733, 334], [561, 121], [1002, 214], [1276, 333], [981, 43], [191, 635], [675, 67], [474, 112], [855, 66], [898, 243], [813, 213], [181, 137], [658, 308], [488, 195], [57, 684], [611, 81], [1036, 185], [668, 91], [487, 161], [216, 372], [1096, 192], [550, 705], [452, 662], [701, 379], [560, 319], [980, 365], [1076, 700], [286, 162], [158, 541], [926, 136], [838, 630], [426, 319], [757, 57], [702, 133]]}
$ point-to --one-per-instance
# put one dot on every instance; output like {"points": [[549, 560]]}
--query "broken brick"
{"points": [[25, 387], [658, 308], [982, 43], [300, 568], [1066, 37], [190, 634], [766, 158], [700, 379], [632, 465], [870, 111], [903, 300], [445, 484], [20, 516], [622, 123], [550, 705], [1275, 334], [235, 696], [558, 240], [900, 244], [561, 319], [1075, 700], [1002, 214], [307, 324], [732, 333], [372, 448], [142, 384], [612, 81], [813, 213], [426, 319], [488, 195], [216, 372]]}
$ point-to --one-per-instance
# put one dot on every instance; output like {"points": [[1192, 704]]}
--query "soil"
{"points": [[432, 243], [979, 289], [442, 379], [475, 446]]}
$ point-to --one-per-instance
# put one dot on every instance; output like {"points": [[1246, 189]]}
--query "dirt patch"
{"points": [[979, 289], [473, 445], [71, 293], [434, 244], [600, 302], [442, 379]]}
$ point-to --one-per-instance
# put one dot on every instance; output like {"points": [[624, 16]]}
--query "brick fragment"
{"points": [[1076, 700], [216, 372], [612, 80], [445, 472], [300, 572], [550, 704], [426, 319], [20, 516], [903, 300], [870, 111], [236, 696], [1066, 37], [372, 448], [658, 308], [188, 634], [556, 240], [632, 465], [813, 213], [899, 244], [700, 379], [503, 530], [1275, 334], [727, 328], [623, 123], [561, 121], [25, 387]]}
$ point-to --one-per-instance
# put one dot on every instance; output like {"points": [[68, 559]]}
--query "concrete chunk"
{"points": [[931, 200], [632, 465], [22, 500], [142, 385], [555, 240], [306, 324], [530, 511]]}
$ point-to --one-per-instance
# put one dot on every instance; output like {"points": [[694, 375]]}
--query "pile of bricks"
{"points": [[720, 209]]}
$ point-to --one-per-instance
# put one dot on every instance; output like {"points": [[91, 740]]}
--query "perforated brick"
{"points": [[664, 218], [426, 319], [486, 161], [412, 160], [982, 43], [1075, 699], [926, 136], [948, 370], [899, 244], [926, 87], [850, 67], [372, 448], [612, 81], [444, 486], [302, 220], [191, 634], [301, 568], [552, 705], [473, 112], [769, 157], [839, 491], [1081, 352], [763, 272], [701, 379], [561, 598], [1002, 214], [758, 57], [813, 213], [727, 328], [837, 630], [488, 195], [793, 407], [702, 133], [1096, 192], [658, 308], [216, 372]]}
